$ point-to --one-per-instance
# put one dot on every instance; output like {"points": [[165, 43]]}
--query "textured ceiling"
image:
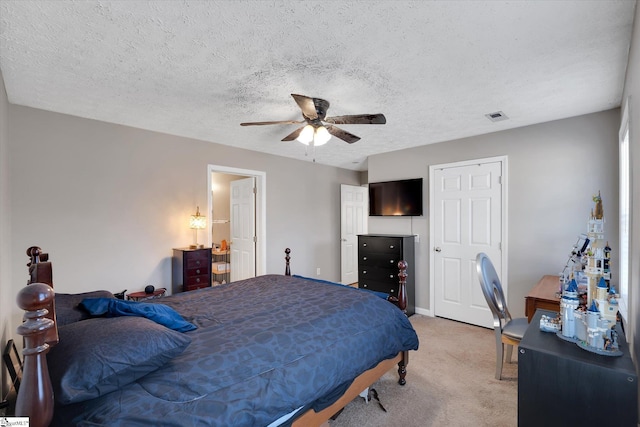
{"points": [[199, 68]]}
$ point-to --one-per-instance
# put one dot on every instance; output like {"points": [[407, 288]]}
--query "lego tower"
{"points": [[597, 265]]}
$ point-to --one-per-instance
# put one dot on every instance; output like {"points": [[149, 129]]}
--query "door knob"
{"points": [[437, 249]]}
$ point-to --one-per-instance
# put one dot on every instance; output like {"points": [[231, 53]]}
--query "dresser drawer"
{"points": [[379, 274], [386, 245], [380, 260], [384, 287]]}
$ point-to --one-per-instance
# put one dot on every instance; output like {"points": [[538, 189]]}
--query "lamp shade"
{"points": [[198, 221], [306, 135], [321, 137]]}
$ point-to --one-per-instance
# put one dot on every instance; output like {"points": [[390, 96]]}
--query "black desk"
{"points": [[559, 384]]}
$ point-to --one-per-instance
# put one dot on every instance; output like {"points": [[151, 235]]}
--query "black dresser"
{"points": [[560, 384], [378, 256], [191, 269]]}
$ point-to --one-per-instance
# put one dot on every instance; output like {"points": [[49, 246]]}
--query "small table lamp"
{"points": [[197, 222]]}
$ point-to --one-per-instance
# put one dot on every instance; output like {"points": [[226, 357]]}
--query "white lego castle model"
{"points": [[588, 307]]}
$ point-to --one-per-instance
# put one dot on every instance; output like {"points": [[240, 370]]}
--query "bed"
{"points": [[272, 350]]}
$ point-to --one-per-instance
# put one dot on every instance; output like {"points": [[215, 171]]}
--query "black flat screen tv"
{"points": [[396, 198]]}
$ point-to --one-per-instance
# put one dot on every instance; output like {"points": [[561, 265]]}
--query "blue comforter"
{"points": [[263, 347]]}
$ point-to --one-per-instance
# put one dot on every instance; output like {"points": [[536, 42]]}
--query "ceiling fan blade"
{"points": [[312, 108], [358, 119], [281, 122], [293, 135], [322, 106], [342, 134]]}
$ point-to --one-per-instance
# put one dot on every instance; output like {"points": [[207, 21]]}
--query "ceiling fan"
{"points": [[319, 128]]}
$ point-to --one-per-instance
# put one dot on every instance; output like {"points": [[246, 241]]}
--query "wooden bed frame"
{"points": [[40, 332]]}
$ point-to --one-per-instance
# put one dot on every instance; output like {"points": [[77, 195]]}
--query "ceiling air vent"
{"points": [[498, 116]]}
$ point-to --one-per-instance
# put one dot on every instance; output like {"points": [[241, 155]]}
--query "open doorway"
{"points": [[223, 220]]}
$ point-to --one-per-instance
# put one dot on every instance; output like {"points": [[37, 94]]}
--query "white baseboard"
{"points": [[424, 311]]}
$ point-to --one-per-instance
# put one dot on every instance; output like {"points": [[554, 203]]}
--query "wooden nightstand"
{"points": [[142, 295], [191, 269]]}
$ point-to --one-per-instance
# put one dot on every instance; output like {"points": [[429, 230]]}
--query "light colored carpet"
{"points": [[450, 382]]}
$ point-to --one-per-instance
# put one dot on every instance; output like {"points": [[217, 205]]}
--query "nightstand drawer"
{"points": [[197, 271], [194, 287], [196, 260], [197, 280]]}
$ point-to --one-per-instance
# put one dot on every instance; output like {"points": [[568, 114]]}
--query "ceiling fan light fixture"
{"points": [[306, 136], [321, 137]]}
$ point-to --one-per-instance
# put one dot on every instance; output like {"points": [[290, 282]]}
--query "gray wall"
{"points": [[109, 202], [6, 300], [554, 169], [632, 93]]}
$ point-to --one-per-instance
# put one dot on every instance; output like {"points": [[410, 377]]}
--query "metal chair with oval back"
{"points": [[508, 331]]}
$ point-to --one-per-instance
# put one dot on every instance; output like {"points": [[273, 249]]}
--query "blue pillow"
{"points": [[159, 313], [68, 308], [97, 356]]}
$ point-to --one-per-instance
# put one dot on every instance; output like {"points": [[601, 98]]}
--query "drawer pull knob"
{"points": [[364, 271], [364, 244], [197, 271], [391, 276], [392, 290], [391, 261], [364, 258], [391, 247], [198, 280]]}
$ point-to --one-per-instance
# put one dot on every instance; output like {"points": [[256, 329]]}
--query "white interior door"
{"points": [[354, 216], [467, 215], [243, 232]]}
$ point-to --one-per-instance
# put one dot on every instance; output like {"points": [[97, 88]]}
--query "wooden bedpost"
{"points": [[35, 397], [402, 288], [402, 368], [401, 300], [287, 258], [40, 271]]}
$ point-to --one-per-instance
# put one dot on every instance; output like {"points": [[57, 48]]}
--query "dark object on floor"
{"points": [[13, 362], [149, 289], [373, 393]]}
